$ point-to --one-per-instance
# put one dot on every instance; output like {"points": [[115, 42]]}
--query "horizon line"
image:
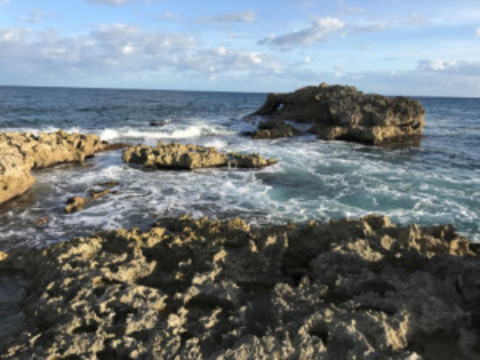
{"points": [[73, 87]]}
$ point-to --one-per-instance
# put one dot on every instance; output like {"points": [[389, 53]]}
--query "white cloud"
{"points": [[121, 49], [167, 16], [414, 20], [35, 17], [109, 2], [451, 67], [319, 30], [478, 32], [355, 10], [436, 65], [242, 17], [4, 1]]}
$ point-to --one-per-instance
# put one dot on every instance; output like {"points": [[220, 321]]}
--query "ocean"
{"points": [[434, 182]]}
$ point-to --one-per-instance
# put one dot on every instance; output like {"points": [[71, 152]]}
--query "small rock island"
{"points": [[176, 156], [342, 113]]}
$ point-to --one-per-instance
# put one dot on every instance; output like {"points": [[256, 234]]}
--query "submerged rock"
{"points": [[22, 152], [344, 113], [188, 157], [209, 289], [41, 222], [75, 203]]}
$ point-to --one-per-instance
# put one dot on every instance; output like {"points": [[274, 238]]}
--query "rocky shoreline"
{"points": [[209, 289], [23, 152], [342, 113]]}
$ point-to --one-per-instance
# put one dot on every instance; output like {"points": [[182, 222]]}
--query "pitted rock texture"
{"points": [[22, 152], [344, 113], [188, 157], [207, 289]]}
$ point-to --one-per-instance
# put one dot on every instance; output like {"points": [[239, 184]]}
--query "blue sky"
{"points": [[384, 46]]}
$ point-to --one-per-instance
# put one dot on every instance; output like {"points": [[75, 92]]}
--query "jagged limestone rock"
{"points": [[344, 113], [22, 152], [188, 157], [210, 289]]}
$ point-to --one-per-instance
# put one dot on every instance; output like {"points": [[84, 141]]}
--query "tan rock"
{"points": [[204, 289], [23, 152], [344, 113], [41, 222], [188, 157], [75, 204]]}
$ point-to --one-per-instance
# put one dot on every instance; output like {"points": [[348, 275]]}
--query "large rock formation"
{"points": [[22, 152], [201, 289], [188, 157], [344, 113]]}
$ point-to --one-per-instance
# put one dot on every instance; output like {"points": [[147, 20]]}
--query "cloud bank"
{"points": [[319, 30]]}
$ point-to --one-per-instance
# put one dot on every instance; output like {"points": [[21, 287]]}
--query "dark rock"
{"points": [[157, 123], [273, 129], [344, 113]]}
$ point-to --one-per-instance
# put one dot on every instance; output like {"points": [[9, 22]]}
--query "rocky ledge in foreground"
{"points": [[188, 157], [343, 113], [202, 289], [22, 152]]}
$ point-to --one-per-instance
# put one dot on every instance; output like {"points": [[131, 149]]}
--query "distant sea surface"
{"points": [[434, 183]]}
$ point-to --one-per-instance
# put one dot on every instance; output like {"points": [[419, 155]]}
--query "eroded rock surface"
{"points": [[188, 157], [22, 152], [344, 113], [202, 289]]}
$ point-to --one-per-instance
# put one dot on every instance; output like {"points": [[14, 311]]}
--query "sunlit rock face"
{"points": [[210, 289], [22, 152], [189, 157]]}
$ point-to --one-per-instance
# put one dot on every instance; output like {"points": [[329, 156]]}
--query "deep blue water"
{"points": [[435, 182]]}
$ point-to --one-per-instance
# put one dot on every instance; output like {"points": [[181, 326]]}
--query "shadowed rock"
{"points": [[209, 289], [75, 203], [344, 113], [22, 152], [188, 157]]}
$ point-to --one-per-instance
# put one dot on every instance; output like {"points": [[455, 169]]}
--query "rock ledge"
{"points": [[22, 152]]}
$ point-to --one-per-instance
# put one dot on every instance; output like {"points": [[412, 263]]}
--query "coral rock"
{"points": [[207, 289], [188, 157], [23, 152]]}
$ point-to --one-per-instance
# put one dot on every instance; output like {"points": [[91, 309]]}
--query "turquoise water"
{"points": [[437, 181]]}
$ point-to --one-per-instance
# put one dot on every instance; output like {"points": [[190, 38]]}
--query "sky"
{"points": [[393, 47]]}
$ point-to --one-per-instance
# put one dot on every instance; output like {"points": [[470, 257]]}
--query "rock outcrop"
{"points": [[22, 152], [207, 289], [188, 157], [344, 113]]}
